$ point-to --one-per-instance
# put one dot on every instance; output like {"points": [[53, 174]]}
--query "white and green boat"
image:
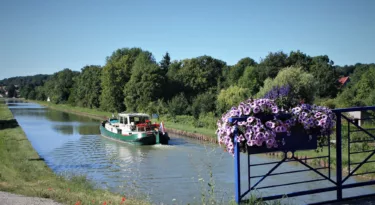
{"points": [[135, 128]]}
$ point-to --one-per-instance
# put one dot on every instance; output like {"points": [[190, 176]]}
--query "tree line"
{"points": [[201, 88]]}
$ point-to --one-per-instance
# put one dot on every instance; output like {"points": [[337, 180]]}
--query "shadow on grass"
{"points": [[5, 124]]}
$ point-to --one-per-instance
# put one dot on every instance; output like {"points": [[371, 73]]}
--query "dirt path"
{"points": [[13, 199]]}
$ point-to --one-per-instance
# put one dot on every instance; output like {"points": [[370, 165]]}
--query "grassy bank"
{"points": [[23, 172]]}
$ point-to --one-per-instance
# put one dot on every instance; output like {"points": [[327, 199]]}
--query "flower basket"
{"points": [[299, 139], [261, 127]]}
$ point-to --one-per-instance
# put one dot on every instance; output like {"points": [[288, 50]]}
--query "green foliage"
{"points": [[164, 64], [145, 84], [203, 103], [88, 87], [249, 80], [270, 66], [230, 97], [11, 91], [299, 59], [325, 76], [116, 73], [196, 75], [302, 84], [178, 105], [361, 90], [59, 85], [207, 120], [235, 72]]}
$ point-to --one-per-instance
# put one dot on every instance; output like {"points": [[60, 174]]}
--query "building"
{"points": [[343, 81]]}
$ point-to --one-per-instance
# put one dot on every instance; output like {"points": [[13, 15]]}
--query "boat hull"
{"points": [[137, 139]]}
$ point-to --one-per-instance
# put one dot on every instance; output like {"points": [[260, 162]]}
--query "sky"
{"points": [[44, 37]]}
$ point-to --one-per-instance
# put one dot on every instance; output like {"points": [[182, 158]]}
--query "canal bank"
{"points": [[171, 127], [147, 160], [198, 134], [22, 171]]}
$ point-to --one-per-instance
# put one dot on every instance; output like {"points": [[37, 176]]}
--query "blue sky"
{"points": [[42, 36]]}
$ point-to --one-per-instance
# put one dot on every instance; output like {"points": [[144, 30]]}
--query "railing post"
{"points": [[237, 167], [338, 156]]}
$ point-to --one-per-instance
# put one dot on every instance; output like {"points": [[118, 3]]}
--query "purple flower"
{"points": [[256, 109]]}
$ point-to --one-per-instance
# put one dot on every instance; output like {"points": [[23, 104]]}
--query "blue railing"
{"points": [[335, 185]]}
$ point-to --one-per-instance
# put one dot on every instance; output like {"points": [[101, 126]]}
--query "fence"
{"points": [[356, 139]]}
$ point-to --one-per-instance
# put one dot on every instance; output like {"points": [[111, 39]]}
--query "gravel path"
{"points": [[14, 199]]}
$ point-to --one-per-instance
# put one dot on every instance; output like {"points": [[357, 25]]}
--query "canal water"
{"points": [[185, 171]]}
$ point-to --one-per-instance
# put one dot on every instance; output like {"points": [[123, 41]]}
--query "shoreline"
{"points": [[205, 138], [24, 172]]}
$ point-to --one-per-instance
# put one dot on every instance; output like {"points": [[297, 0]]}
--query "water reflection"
{"points": [[71, 144]]}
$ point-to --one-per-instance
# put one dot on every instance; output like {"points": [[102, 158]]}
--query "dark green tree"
{"points": [[197, 75], [11, 89], [299, 59], [145, 84], [59, 86], [88, 87], [116, 73], [270, 66], [178, 105], [325, 76], [203, 103], [164, 64], [237, 71]]}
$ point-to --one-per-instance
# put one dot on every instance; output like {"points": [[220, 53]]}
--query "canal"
{"points": [[185, 171]]}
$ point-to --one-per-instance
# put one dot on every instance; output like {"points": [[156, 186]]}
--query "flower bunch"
{"points": [[314, 117], [258, 121], [258, 124]]}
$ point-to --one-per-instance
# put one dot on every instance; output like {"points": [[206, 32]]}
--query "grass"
{"points": [[23, 172], [189, 128]]}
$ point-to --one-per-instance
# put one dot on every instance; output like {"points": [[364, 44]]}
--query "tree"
{"points": [[299, 59], [270, 66], [325, 75], [302, 84], [115, 74], [230, 97], [178, 105], [11, 89], [164, 64], [88, 87], [203, 103], [59, 86], [197, 75], [145, 84], [236, 71], [249, 80]]}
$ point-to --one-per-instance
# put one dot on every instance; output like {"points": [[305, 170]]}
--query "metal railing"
{"points": [[324, 172]]}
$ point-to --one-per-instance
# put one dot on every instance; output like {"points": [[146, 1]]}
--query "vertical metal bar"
{"points": [[338, 157], [248, 170], [348, 146], [237, 176], [329, 156]]}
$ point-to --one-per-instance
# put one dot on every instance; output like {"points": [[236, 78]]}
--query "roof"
{"points": [[343, 80], [133, 114]]}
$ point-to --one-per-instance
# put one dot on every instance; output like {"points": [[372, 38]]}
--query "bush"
{"points": [[207, 120]]}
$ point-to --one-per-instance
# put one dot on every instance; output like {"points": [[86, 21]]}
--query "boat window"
{"points": [[138, 119], [126, 120], [121, 120]]}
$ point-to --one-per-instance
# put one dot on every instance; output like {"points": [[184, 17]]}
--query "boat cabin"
{"points": [[131, 122]]}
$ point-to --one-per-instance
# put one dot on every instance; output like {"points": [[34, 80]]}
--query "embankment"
{"points": [[22, 171]]}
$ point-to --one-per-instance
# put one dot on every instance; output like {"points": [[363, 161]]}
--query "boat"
{"points": [[134, 128]]}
